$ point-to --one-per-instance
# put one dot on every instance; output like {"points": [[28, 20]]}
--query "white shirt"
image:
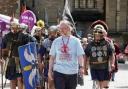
{"points": [[66, 63]]}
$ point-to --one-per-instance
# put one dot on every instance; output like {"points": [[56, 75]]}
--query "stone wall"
{"points": [[116, 16], [51, 7], [116, 20], [111, 14], [8, 7], [123, 15]]}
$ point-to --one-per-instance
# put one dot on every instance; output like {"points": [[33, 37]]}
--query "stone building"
{"points": [[8, 7], [84, 12]]}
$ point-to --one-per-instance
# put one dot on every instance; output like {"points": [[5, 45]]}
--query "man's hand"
{"points": [[112, 67], [1, 62], [41, 66], [85, 71], [50, 75], [81, 71]]}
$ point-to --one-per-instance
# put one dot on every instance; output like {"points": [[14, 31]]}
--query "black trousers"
{"points": [[64, 81]]}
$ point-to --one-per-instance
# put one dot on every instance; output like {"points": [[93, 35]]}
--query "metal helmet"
{"points": [[40, 23], [14, 24], [101, 26], [101, 23], [53, 28], [101, 29], [23, 26]]}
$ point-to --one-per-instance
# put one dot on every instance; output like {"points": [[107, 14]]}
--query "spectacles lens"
{"points": [[100, 32]]}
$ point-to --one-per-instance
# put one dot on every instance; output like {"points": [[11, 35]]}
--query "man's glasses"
{"points": [[98, 32]]}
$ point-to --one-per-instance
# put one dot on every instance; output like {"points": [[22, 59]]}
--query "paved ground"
{"points": [[121, 80]]}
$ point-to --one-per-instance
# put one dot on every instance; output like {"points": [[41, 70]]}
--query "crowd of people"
{"points": [[61, 55]]}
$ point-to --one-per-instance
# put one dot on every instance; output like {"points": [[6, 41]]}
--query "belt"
{"points": [[99, 62], [46, 62], [15, 57]]}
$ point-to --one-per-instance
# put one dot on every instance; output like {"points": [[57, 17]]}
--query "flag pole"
{"points": [[46, 17], [58, 15], [1, 61], [66, 11]]}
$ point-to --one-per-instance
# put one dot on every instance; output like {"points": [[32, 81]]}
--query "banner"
{"points": [[27, 54], [2, 26], [29, 18], [7, 19]]}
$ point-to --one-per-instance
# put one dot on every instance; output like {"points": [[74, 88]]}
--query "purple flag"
{"points": [[29, 18], [2, 25]]}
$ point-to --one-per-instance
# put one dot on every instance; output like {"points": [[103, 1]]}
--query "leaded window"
{"points": [[85, 3]]}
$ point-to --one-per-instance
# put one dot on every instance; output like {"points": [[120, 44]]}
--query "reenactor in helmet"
{"points": [[44, 53], [10, 52], [11, 41], [100, 55], [38, 34]]}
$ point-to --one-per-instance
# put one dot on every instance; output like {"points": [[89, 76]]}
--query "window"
{"points": [[85, 3]]}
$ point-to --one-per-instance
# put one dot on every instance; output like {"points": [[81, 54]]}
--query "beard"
{"points": [[52, 38]]}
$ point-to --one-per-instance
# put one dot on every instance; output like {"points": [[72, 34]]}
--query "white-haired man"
{"points": [[66, 54]]}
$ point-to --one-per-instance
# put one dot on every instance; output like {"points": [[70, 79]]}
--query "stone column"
{"points": [[123, 15], [111, 14], [118, 15]]}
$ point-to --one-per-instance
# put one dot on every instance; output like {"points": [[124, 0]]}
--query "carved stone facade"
{"points": [[117, 14], [50, 6]]}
